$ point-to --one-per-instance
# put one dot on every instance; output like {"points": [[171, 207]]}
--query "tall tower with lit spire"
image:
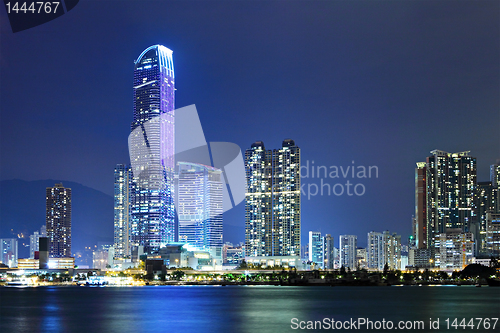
{"points": [[152, 213]]}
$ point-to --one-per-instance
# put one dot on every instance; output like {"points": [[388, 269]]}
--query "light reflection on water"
{"points": [[229, 309]]}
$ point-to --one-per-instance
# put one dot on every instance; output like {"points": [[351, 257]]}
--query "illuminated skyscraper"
{"points": [[58, 220], [451, 186], [272, 209], [199, 205], [152, 194], [123, 183], [486, 202], [421, 235]]}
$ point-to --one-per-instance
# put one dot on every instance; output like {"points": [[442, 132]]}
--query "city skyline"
{"points": [[373, 88]]}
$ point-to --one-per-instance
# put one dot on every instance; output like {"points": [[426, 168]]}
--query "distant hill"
{"points": [[22, 212]]}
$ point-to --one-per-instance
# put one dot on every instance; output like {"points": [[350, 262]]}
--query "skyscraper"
{"points": [[199, 205], [375, 250], [329, 256], [450, 185], [58, 220], [123, 183], [152, 143], [421, 234], [347, 247], [272, 209], [486, 202]]}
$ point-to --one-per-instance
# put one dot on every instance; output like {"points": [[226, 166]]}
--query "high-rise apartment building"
{"points": [[316, 248], [58, 220], [151, 146], [450, 185], [8, 251], [486, 202], [329, 254], [495, 175], [122, 192], [34, 244], [272, 209], [392, 250], [453, 249], [348, 245], [199, 205], [421, 237], [492, 247], [375, 250]]}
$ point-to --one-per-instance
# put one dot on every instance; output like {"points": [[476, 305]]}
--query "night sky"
{"points": [[380, 83]]}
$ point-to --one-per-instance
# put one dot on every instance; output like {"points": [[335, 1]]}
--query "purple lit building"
{"points": [[151, 146]]}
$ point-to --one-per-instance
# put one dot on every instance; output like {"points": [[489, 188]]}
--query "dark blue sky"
{"points": [[376, 82]]}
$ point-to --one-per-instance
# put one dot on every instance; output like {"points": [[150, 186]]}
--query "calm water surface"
{"points": [[233, 308]]}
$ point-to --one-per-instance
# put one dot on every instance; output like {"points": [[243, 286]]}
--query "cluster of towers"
{"points": [[158, 200], [452, 207]]}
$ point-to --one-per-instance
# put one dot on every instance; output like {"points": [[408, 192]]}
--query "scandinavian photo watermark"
{"points": [[326, 180]]}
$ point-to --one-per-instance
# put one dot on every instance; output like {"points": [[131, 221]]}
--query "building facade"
{"points": [[151, 147], [316, 248], [492, 234], [421, 237], [8, 251], [384, 248], [375, 251], [348, 245], [486, 202], [58, 221], [199, 205], [329, 252], [454, 249], [445, 189], [272, 209], [122, 192]]}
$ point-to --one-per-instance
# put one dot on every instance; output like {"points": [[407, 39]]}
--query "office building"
{"points": [[272, 207], [58, 220], [347, 247], [199, 205], [151, 148], [123, 183]]}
